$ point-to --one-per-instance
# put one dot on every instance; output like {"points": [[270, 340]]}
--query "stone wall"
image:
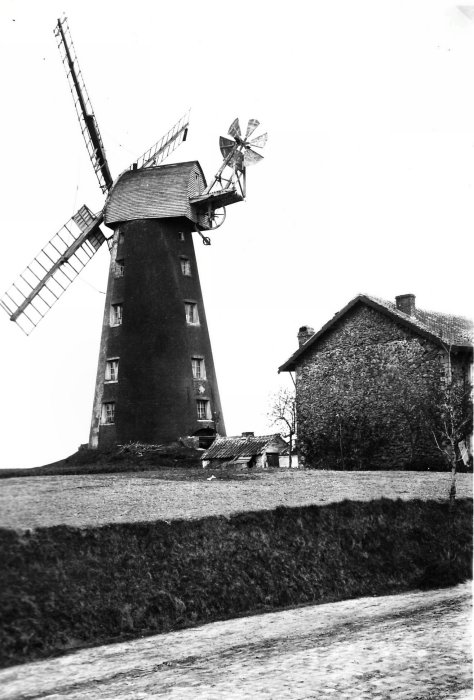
{"points": [[362, 395]]}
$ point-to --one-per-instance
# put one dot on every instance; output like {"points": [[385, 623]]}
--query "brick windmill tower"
{"points": [[155, 378]]}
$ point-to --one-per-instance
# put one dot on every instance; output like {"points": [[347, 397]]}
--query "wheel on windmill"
{"points": [[216, 217]]}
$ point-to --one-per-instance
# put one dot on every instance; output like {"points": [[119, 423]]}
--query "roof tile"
{"points": [[446, 329], [455, 330], [231, 447]]}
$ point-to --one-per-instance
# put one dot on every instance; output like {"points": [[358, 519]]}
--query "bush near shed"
{"points": [[64, 587]]}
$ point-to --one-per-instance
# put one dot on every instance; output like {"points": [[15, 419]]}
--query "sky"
{"points": [[366, 186]]}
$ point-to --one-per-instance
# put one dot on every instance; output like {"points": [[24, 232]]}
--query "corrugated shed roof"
{"points": [[446, 329], [155, 193], [232, 447]]}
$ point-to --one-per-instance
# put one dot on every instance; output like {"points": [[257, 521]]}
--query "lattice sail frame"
{"points": [[50, 273], [56, 266], [82, 103], [167, 144]]}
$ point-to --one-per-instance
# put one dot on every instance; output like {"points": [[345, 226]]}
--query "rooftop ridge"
{"points": [[445, 329], [451, 328]]}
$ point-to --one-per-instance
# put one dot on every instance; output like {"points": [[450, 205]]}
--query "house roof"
{"points": [[232, 447], [443, 329]]}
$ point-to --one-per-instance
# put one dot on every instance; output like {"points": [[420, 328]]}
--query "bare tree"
{"points": [[452, 422], [283, 414]]}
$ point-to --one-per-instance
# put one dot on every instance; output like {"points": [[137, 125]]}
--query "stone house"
{"points": [[366, 380], [247, 450]]}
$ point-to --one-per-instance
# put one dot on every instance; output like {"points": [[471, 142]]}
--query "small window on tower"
{"points": [[119, 268], [111, 370], [191, 310], [181, 236], [116, 314], [108, 413], [186, 267], [203, 409], [199, 371]]}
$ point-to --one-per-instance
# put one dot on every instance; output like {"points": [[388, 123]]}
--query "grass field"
{"points": [[97, 499]]}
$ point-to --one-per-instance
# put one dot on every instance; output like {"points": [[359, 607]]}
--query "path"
{"points": [[409, 646]]}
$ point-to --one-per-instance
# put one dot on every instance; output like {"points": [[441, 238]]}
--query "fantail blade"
{"points": [[238, 160], [251, 157], [226, 146], [251, 126], [234, 129], [260, 141]]}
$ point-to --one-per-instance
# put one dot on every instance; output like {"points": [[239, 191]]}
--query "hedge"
{"points": [[62, 587]]}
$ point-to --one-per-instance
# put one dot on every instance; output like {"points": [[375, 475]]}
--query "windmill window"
{"points": [[186, 267], [191, 310], [111, 370], [119, 268], [203, 409], [199, 370], [108, 413], [181, 236], [116, 314]]}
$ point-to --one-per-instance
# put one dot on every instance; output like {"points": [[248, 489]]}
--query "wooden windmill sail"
{"points": [[155, 379]]}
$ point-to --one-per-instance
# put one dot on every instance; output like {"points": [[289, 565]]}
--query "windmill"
{"points": [[155, 379]]}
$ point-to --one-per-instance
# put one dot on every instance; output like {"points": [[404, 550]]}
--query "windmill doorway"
{"points": [[206, 437]]}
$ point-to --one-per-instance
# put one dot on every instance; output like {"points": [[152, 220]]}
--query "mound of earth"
{"points": [[135, 457]]}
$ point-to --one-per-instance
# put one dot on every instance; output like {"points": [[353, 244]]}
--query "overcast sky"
{"points": [[366, 186]]}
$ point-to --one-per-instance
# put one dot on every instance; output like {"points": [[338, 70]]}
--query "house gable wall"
{"points": [[360, 390]]}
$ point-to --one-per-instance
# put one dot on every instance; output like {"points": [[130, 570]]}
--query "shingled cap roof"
{"points": [[245, 446], [159, 192], [446, 330]]}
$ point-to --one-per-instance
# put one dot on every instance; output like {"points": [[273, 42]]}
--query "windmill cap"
{"points": [[159, 192]]}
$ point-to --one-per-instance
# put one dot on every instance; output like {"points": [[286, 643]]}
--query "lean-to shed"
{"points": [[247, 450]]}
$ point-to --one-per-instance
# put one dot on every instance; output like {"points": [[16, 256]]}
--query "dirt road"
{"points": [[409, 646]]}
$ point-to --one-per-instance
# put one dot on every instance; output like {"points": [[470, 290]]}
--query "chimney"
{"points": [[406, 303], [304, 333], [249, 433]]}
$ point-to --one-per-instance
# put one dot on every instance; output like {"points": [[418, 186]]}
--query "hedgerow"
{"points": [[62, 587]]}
